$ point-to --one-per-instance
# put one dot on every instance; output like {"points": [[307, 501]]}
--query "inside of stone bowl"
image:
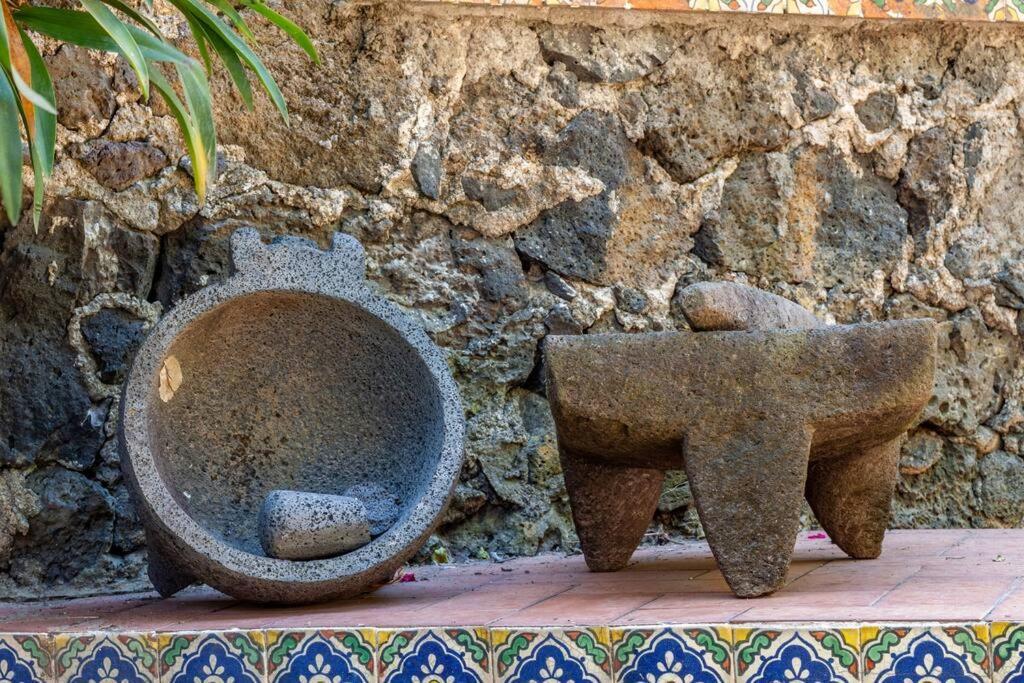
{"points": [[293, 391]]}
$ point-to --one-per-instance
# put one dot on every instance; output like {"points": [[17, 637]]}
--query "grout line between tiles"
{"points": [[899, 583], [1014, 585], [635, 608], [535, 602]]}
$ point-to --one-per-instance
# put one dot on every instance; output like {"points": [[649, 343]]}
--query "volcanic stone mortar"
{"points": [[292, 374], [762, 406]]}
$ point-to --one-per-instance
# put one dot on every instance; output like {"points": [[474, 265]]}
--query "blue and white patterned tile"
{"points": [[697, 654], [434, 655], [212, 657], [811, 654], [581, 655], [947, 653], [333, 656], [25, 658], [91, 657]]}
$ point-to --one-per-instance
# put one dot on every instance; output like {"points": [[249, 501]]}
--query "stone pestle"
{"points": [[297, 525]]}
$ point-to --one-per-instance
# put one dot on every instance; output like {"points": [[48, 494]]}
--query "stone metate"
{"points": [[760, 406]]}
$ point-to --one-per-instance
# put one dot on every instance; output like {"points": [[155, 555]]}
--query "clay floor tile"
{"points": [[865, 614], [502, 597], [704, 614], [1011, 606], [577, 609]]}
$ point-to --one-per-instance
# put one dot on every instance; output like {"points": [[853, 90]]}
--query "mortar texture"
{"points": [[514, 174]]}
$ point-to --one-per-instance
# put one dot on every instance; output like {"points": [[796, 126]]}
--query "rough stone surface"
{"points": [[297, 525], [381, 507], [759, 419], [292, 372], [877, 110], [711, 306], [118, 165], [854, 223], [113, 336]]}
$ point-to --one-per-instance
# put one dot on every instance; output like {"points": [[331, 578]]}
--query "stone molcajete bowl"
{"points": [[761, 405], [290, 375]]}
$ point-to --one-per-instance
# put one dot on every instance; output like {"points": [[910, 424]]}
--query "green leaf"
{"points": [[30, 94], [69, 26], [44, 137], [290, 28], [137, 16], [235, 67], [39, 175], [189, 132], [199, 101], [81, 29], [18, 81], [235, 17], [244, 52], [10, 148], [233, 64], [200, 37], [117, 30], [5, 45]]}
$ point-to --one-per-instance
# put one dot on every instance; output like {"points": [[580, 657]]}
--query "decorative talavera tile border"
{"points": [[105, 657], [321, 655], [459, 655], [765, 654], [894, 654], [530, 655], [25, 658], [943, 10], [1007, 652], [236, 656], [669, 653], [696, 653]]}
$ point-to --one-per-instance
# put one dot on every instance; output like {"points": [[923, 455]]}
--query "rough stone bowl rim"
{"points": [[394, 546]]}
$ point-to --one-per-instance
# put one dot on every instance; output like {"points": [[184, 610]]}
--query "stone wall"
{"points": [[518, 173]]}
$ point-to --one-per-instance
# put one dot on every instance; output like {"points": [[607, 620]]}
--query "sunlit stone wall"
{"points": [[525, 171]]}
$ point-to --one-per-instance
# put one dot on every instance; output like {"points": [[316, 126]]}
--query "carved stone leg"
{"points": [[166, 578], [612, 508], [850, 496], [748, 485]]}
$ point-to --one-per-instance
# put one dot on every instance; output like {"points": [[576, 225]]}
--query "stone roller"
{"points": [[762, 406], [298, 525], [292, 375]]}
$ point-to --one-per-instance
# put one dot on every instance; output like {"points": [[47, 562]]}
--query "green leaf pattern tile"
{"points": [[444, 655], [102, 657]]}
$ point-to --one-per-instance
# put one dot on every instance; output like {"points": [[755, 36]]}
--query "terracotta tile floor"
{"points": [[938, 575]]}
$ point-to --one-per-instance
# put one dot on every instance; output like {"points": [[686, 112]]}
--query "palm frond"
{"points": [[27, 105]]}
